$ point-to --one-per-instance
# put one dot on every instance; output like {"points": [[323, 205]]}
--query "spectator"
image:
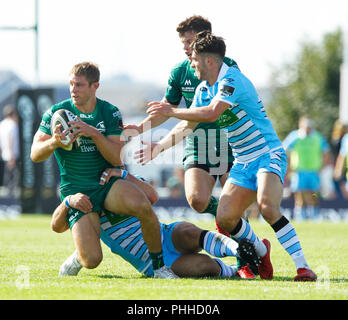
{"points": [[338, 131], [307, 152], [341, 165], [9, 145]]}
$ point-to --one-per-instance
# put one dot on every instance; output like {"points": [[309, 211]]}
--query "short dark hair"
{"points": [[89, 70], [206, 42], [195, 23]]}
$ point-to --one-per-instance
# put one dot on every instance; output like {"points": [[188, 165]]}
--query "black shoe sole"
{"points": [[246, 251]]}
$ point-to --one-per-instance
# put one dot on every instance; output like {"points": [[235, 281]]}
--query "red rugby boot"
{"points": [[246, 273], [304, 274], [265, 267]]}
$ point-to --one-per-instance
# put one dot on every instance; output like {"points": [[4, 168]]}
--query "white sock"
{"points": [[287, 237], [244, 231], [226, 271], [74, 259]]}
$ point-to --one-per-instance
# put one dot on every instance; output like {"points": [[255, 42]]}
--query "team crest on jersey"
{"points": [[227, 91], [101, 127]]}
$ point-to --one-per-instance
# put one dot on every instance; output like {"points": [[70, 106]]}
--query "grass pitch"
{"points": [[30, 256]]}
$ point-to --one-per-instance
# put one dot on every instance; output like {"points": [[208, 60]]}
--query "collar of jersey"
{"points": [[222, 72]]}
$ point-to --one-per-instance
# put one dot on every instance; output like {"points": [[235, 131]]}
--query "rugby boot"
{"points": [[304, 274], [164, 273], [70, 266], [246, 251], [265, 268], [246, 273]]}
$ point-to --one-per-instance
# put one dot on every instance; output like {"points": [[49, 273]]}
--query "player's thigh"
{"points": [[269, 190], [234, 200], [86, 235], [223, 179], [185, 238], [125, 198], [198, 184], [195, 265]]}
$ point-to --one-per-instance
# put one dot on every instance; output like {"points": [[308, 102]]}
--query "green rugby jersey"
{"points": [[182, 83], [82, 167]]}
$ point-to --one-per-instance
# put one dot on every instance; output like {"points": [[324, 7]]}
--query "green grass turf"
{"points": [[30, 256]]}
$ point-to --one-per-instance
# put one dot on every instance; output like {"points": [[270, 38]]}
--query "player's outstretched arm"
{"points": [[79, 201], [152, 121], [177, 134], [202, 114]]}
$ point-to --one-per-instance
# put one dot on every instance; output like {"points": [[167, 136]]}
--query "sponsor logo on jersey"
{"points": [[227, 91], [117, 114], [188, 89], [45, 124], [86, 116]]}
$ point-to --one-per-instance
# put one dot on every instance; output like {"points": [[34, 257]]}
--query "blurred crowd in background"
{"points": [[317, 168]]}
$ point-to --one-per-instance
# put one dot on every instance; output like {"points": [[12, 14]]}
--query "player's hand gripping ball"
{"points": [[63, 116]]}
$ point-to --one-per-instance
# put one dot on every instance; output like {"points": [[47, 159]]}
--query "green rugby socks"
{"points": [[212, 206], [157, 259]]}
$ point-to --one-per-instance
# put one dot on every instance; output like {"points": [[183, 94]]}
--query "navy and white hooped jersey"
{"points": [[250, 132]]}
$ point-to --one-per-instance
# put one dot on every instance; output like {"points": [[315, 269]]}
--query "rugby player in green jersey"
{"points": [[208, 155], [100, 144]]}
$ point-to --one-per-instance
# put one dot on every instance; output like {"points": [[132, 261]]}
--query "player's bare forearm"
{"points": [[177, 134], [58, 220], [152, 121], [203, 114], [43, 146], [200, 114], [110, 147]]}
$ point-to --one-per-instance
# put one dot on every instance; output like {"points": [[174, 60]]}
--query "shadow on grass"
{"points": [[115, 276], [276, 278]]}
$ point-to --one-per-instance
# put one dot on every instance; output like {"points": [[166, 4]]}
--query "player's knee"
{"points": [[91, 261], [269, 211], [142, 208], [186, 236], [197, 203]]}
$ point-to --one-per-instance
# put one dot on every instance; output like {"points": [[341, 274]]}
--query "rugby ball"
{"points": [[63, 116]]}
